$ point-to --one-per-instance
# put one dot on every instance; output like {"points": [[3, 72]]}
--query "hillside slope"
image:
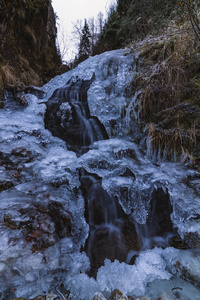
{"points": [[28, 53], [165, 36]]}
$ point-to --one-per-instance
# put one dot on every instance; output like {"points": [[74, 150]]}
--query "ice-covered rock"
{"points": [[110, 92], [43, 203], [40, 223]]}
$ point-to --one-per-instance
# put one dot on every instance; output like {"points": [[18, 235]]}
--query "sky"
{"points": [[69, 11]]}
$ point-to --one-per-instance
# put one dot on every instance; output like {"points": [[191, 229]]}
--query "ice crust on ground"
{"points": [[131, 280], [48, 174], [50, 164], [151, 276]]}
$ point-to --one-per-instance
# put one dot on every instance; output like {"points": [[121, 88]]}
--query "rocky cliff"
{"points": [[28, 53]]}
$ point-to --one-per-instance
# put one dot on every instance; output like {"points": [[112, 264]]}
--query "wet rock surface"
{"points": [[41, 225], [192, 239], [159, 220]]}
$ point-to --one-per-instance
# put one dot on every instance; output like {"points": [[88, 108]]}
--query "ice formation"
{"points": [[43, 222]]}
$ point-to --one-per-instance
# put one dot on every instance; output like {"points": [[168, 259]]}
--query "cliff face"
{"points": [[28, 53]]}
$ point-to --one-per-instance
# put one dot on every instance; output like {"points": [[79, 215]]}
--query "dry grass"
{"points": [[163, 81], [7, 75], [20, 75], [31, 35], [172, 144], [167, 65]]}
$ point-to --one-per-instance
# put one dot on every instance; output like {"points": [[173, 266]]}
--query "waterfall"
{"points": [[83, 209], [108, 224], [68, 116]]}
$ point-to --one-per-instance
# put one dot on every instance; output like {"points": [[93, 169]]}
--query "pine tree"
{"points": [[85, 43]]}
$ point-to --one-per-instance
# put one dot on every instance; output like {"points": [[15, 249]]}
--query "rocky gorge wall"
{"points": [[28, 54]]}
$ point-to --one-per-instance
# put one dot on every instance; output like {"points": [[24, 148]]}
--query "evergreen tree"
{"points": [[123, 6], [111, 28], [85, 43], [107, 39]]}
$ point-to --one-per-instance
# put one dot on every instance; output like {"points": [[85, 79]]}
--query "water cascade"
{"points": [[68, 116], [83, 208], [112, 233]]}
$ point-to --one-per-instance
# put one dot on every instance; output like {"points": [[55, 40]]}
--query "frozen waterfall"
{"points": [[83, 209]]}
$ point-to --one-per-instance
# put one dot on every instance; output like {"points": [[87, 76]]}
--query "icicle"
{"points": [[133, 108]]}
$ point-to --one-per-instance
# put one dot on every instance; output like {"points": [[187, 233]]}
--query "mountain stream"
{"points": [[82, 205]]}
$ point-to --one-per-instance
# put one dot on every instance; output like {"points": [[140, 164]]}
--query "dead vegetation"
{"points": [[170, 98], [28, 53], [172, 144]]}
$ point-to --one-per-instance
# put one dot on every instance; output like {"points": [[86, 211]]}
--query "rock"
{"points": [[192, 239], [34, 90], [118, 295], [188, 272], [177, 242], [22, 152], [98, 296], [5, 160], [21, 99], [9, 172], [44, 225], [31, 57], [5, 185], [21, 155], [159, 221], [8, 222]]}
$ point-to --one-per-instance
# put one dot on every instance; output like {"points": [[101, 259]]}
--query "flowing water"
{"points": [[81, 203]]}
